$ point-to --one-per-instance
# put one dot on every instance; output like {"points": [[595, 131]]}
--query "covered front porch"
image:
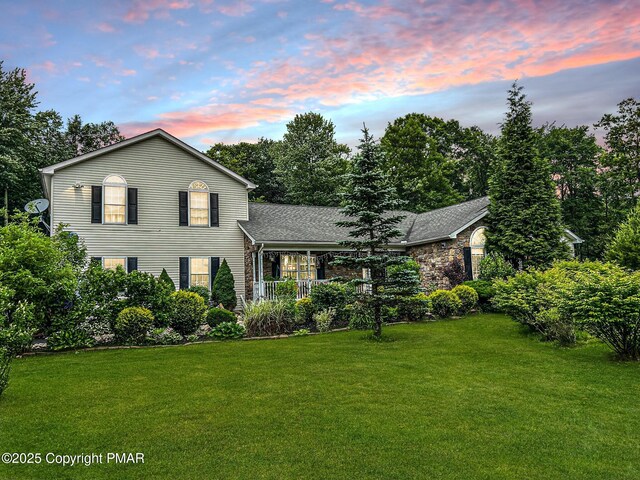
{"points": [[307, 268]]}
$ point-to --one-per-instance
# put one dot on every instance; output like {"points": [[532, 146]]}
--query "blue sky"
{"points": [[209, 70]]}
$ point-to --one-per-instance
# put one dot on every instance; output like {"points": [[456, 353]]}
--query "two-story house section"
{"points": [[153, 202]]}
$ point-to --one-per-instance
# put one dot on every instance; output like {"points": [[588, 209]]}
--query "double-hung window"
{"points": [[297, 267], [199, 271], [115, 199], [198, 203]]}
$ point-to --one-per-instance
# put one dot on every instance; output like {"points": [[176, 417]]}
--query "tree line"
{"points": [[431, 162]]}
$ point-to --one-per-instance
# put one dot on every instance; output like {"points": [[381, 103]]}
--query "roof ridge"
{"points": [[454, 205]]}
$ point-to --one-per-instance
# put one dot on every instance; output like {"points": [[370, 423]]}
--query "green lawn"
{"points": [[464, 399]]}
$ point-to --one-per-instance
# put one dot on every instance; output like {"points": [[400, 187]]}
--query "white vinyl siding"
{"points": [[159, 170]]}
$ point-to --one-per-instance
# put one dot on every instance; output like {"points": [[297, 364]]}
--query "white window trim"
{"points": [[207, 191], [126, 261], [472, 246], [208, 273], [126, 199]]}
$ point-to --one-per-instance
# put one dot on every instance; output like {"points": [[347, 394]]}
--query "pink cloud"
{"points": [[150, 52], [105, 27], [235, 9], [142, 9]]}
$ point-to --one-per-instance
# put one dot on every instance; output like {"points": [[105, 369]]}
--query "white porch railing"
{"points": [[267, 290]]}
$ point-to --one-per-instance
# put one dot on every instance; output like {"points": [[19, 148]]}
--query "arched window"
{"points": [[476, 242], [115, 199], [198, 203]]}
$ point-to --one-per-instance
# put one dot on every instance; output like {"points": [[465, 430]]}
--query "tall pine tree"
{"points": [[525, 222], [368, 200]]}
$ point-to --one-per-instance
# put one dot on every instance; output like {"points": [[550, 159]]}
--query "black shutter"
{"points": [[183, 200], [468, 269], [214, 210], [96, 260], [96, 204], [275, 267], [320, 268], [132, 206], [184, 273], [132, 264], [215, 265]]}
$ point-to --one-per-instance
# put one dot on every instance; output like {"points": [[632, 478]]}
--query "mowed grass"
{"points": [[473, 398]]}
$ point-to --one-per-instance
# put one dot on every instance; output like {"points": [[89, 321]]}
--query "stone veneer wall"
{"points": [[433, 257]]}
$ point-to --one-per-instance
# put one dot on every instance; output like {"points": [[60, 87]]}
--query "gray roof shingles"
{"points": [[269, 222]]}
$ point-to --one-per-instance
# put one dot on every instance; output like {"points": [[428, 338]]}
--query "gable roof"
{"points": [[52, 169], [292, 224]]}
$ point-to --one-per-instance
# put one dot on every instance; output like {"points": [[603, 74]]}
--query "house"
{"points": [[152, 202]]}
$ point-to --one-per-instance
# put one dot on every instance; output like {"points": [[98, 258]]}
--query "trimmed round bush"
{"points": [[187, 312], [132, 324], [468, 297], [445, 303], [216, 316], [485, 291]]}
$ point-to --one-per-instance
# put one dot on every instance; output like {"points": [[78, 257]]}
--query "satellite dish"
{"points": [[37, 206]]}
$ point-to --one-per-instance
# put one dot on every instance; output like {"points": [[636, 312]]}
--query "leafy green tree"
{"points": [[80, 138], [368, 200], [625, 247], [223, 290], [419, 160], [477, 154], [254, 161], [574, 154], [524, 220], [310, 162], [17, 102]]}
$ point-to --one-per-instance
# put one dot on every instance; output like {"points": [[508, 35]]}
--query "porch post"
{"points": [[308, 272], [253, 271], [261, 274]]}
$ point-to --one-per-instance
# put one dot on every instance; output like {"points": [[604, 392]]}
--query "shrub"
{"points": [[287, 290], [102, 293], [269, 317], [202, 291], [68, 339], [132, 324], [223, 290], [323, 319], [187, 312], [304, 311], [166, 279], [494, 266], [625, 247], [414, 308], [216, 316], [360, 316], [5, 367], [144, 290], [485, 292], [17, 337], [302, 332], [468, 297], [228, 331], [404, 279], [164, 336], [331, 295], [607, 305], [445, 303], [454, 272]]}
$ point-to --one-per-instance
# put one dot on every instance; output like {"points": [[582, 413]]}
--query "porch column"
{"points": [[261, 274], [254, 289], [308, 272]]}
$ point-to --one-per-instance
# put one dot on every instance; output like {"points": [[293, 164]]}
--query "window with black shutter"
{"points": [[183, 201], [132, 206], [96, 204], [132, 264], [214, 213], [184, 273]]}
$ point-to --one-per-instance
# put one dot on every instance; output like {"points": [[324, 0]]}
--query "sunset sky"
{"points": [[214, 70]]}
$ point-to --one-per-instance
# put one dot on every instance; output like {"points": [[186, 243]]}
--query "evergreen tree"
{"points": [[165, 278], [574, 154], [310, 162], [525, 224], [625, 247], [223, 290], [368, 200]]}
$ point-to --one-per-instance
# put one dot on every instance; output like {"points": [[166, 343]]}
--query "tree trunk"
{"points": [[377, 320]]}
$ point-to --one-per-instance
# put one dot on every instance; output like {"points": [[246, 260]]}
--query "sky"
{"points": [[211, 71]]}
